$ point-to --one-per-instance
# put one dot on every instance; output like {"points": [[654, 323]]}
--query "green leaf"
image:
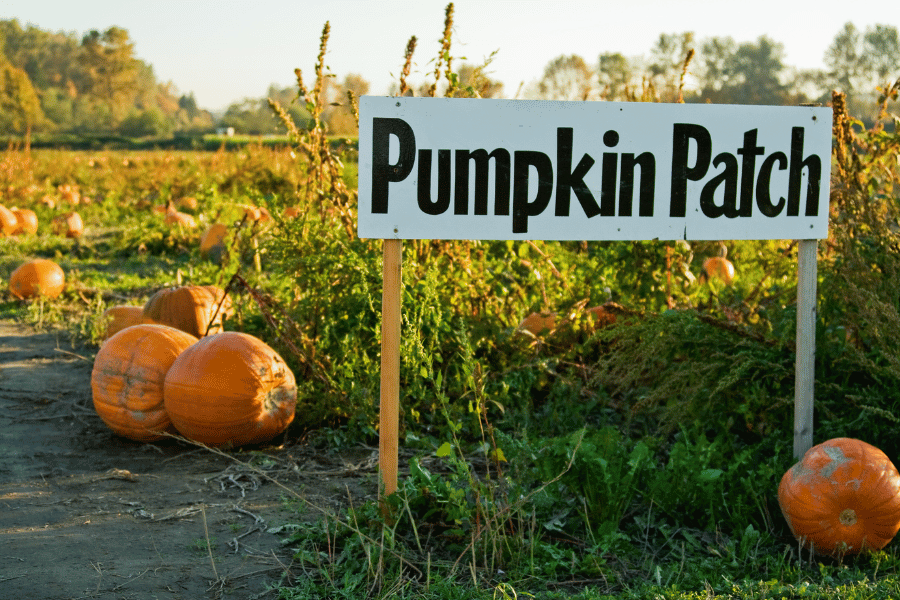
{"points": [[445, 450]]}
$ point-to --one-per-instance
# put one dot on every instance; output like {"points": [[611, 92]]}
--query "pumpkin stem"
{"points": [[848, 517]]}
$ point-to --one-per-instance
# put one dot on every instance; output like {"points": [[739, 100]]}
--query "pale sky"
{"points": [[225, 50]]}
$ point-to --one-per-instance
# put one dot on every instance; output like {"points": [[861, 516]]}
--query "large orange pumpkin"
{"points": [[117, 318], [8, 221], [38, 276], [843, 497], [128, 377], [230, 389], [190, 308]]}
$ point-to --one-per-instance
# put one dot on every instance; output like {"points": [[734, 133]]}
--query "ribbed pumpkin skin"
{"points": [[843, 497], [128, 378], [37, 276], [230, 389], [119, 317], [188, 308]]}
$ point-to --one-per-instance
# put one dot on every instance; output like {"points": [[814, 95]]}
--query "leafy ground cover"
{"points": [[636, 456]]}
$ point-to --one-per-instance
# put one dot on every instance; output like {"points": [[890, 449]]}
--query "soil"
{"points": [[87, 514]]}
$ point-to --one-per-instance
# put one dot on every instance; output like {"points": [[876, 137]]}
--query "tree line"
{"points": [[58, 82], [722, 71]]}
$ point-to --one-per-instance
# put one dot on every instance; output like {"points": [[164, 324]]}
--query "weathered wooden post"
{"points": [[805, 375]]}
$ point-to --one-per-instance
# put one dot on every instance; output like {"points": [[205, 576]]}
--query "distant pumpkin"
{"points": [[190, 308], [212, 243], [69, 225], [255, 213], [180, 219], [26, 221], [230, 389], [37, 277], [8, 221], [538, 323], [187, 203], [128, 379], [718, 267]]}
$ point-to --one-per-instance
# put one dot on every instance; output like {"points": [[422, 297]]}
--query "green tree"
{"points": [[667, 60], [145, 123], [20, 108], [859, 62], [614, 74], [881, 49], [845, 61], [337, 114], [112, 72], [714, 62], [751, 74], [191, 118], [566, 78]]}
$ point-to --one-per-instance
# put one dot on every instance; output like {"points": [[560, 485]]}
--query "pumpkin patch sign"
{"points": [[473, 169], [449, 168]]}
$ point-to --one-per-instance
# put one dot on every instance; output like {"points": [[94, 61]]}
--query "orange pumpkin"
{"points": [[128, 378], [8, 221], [230, 389], [27, 221], [117, 318], [718, 267], [69, 225], [602, 315], [255, 213], [212, 244], [180, 219], [843, 497], [38, 276], [187, 203], [538, 322], [190, 308]]}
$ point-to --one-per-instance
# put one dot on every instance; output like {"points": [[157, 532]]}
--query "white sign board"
{"points": [[443, 168]]}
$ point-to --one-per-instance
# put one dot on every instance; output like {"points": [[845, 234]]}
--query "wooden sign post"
{"points": [[389, 409], [467, 169], [804, 376]]}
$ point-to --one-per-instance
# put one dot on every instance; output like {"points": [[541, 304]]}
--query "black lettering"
{"points": [[501, 181], [647, 189], [748, 172], [424, 185], [568, 180], [813, 165], [728, 176], [383, 172], [522, 208], [764, 184], [681, 172]]}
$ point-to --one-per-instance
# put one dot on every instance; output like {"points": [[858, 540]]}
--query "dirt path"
{"points": [[87, 514]]}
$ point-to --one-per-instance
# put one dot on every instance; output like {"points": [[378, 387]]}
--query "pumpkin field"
{"points": [[189, 391]]}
